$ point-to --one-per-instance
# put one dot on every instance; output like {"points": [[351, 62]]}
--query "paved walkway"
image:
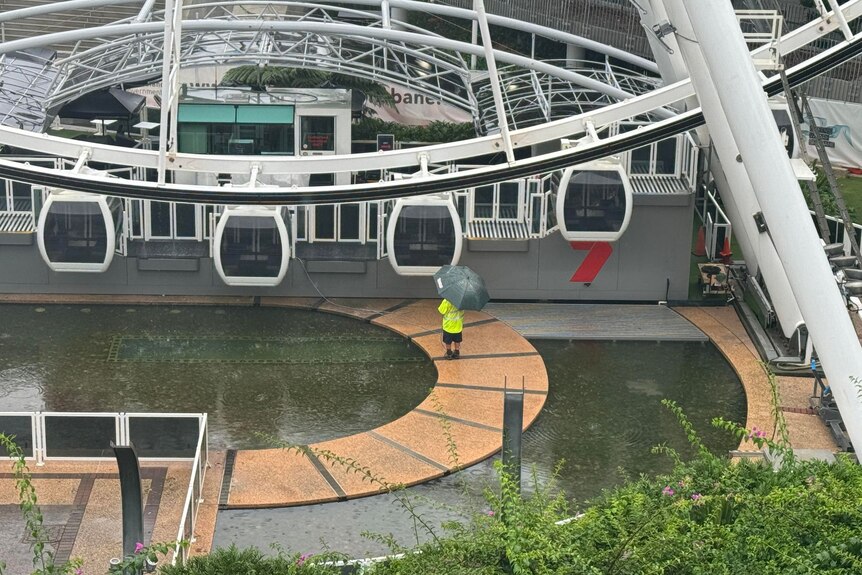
{"points": [[728, 334], [458, 424], [593, 322]]}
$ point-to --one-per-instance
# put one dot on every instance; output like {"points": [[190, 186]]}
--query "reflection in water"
{"points": [[603, 415], [297, 375], [316, 376]]}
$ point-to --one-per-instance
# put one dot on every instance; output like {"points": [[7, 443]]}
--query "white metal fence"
{"points": [[87, 436]]}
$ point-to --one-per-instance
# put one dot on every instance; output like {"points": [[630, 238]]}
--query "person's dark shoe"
{"points": [[448, 354], [456, 354]]}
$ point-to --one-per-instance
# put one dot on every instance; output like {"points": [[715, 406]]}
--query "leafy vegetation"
{"points": [[368, 128], [43, 555], [708, 515], [261, 77]]}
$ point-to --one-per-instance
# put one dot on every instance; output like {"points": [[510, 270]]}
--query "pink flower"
{"points": [[303, 558], [490, 513], [138, 547], [696, 496], [79, 571], [668, 490]]}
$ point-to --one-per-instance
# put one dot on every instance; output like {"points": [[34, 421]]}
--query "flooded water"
{"points": [[602, 417], [304, 376], [296, 375]]}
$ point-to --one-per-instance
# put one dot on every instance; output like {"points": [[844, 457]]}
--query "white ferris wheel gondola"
{"points": [[77, 231], [594, 201], [423, 234], [251, 246]]}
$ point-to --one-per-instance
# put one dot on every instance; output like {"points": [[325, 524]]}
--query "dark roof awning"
{"points": [[111, 103]]}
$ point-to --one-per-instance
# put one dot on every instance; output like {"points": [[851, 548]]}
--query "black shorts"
{"points": [[451, 337]]}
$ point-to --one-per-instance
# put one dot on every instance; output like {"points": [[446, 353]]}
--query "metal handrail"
{"points": [[198, 473]]}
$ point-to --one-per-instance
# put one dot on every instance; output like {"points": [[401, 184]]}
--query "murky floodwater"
{"points": [[259, 372], [603, 415], [304, 377]]}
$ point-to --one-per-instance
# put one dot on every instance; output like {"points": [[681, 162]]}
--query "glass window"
{"points": [[276, 139], [509, 194], [219, 137], [318, 133], [665, 157], [160, 219], [348, 224], [22, 201], [640, 160], [372, 221], [324, 222], [321, 179], [483, 202], [75, 232], [4, 205], [301, 218], [594, 202], [192, 138], [186, 220], [251, 247], [137, 223], [424, 236]]}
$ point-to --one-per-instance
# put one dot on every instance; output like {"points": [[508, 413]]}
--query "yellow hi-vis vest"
{"points": [[453, 318]]}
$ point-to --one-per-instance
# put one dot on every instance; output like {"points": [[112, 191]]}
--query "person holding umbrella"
{"points": [[462, 289], [453, 326]]}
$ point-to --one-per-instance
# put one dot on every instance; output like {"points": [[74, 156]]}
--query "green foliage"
{"points": [[261, 77], [43, 555], [252, 561], [830, 207], [368, 128]]}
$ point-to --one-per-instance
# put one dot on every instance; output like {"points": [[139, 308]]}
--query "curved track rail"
{"points": [[652, 102], [459, 180]]}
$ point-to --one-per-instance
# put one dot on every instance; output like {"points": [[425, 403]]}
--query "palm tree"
{"points": [[259, 77]]}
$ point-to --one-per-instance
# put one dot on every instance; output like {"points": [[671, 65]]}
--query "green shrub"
{"points": [[251, 561]]}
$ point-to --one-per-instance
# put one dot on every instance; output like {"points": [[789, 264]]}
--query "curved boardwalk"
{"points": [[726, 331], [414, 448]]}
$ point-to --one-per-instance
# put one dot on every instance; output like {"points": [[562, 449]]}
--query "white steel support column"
{"points": [[170, 84], [739, 98], [842, 21], [502, 122], [759, 252]]}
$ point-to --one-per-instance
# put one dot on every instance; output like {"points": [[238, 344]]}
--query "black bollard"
{"points": [[132, 497], [513, 424]]}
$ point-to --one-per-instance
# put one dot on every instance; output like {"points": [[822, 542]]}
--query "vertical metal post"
{"points": [[132, 497], [842, 21], [170, 83], [513, 426], [502, 123], [474, 37]]}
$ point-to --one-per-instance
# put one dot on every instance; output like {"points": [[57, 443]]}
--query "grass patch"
{"points": [[851, 187]]}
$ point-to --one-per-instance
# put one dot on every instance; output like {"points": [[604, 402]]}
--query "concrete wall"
{"points": [[649, 263]]}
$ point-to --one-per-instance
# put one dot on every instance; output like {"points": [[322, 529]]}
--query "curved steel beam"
{"points": [[305, 26], [421, 186], [30, 11], [400, 158]]}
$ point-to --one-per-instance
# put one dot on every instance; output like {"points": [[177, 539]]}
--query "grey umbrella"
{"points": [[463, 287]]}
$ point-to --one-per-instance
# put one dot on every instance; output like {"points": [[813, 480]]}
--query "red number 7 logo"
{"points": [[598, 254]]}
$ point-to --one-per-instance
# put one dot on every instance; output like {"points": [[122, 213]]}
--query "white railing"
{"points": [[837, 233], [716, 225], [37, 446], [58, 435], [194, 498]]}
